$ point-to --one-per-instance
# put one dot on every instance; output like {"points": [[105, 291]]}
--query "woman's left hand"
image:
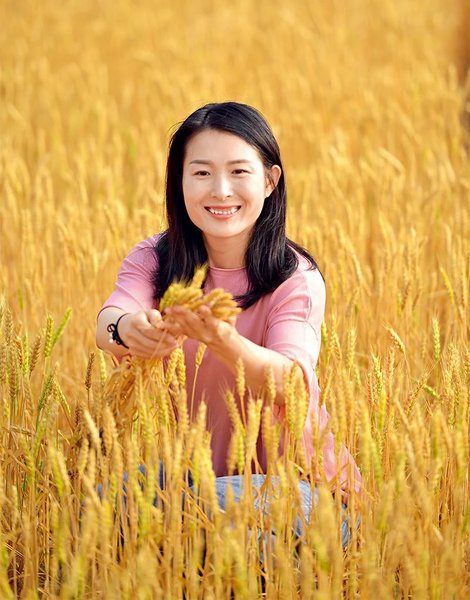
{"points": [[200, 325], [229, 346]]}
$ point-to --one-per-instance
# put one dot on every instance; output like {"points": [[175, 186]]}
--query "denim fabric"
{"points": [[125, 480], [236, 482]]}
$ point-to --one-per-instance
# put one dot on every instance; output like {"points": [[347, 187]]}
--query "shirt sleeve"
{"points": [[134, 289], [295, 319]]}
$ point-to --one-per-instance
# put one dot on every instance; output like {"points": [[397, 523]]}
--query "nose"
{"points": [[221, 188]]}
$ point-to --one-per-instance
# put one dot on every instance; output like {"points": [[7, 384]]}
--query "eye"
{"points": [[202, 173], [240, 171]]}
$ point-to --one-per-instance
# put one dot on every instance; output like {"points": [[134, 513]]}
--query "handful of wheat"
{"points": [[191, 296]]}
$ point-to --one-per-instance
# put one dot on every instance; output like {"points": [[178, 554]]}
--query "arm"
{"points": [[294, 318], [229, 346], [142, 328]]}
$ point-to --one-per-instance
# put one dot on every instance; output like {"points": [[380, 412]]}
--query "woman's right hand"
{"points": [[144, 332]]}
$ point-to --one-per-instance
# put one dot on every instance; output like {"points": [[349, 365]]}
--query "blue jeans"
{"points": [[236, 482], [257, 481]]}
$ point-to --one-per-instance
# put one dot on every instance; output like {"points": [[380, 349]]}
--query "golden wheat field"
{"points": [[368, 102]]}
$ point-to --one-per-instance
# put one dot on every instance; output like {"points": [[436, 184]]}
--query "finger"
{"points": [[206, 316], [205, 313], [179, 316], [156, 334], [173, 328], [154, 317], [148, 339], [156, 350], [140, 353], [187, 322]]}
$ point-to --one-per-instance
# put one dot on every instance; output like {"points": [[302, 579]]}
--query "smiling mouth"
{"points": [[223, 211]]}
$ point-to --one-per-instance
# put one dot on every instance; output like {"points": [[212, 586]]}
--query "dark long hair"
{"points": [[270, 258]]}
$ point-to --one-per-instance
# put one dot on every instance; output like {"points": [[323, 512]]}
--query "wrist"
{"points": [[114, 332], [226, 342]]}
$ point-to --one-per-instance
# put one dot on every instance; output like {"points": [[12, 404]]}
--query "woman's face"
{"points": [[225, 185]]}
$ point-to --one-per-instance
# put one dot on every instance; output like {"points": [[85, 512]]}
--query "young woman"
{"points": [[226, 205]]}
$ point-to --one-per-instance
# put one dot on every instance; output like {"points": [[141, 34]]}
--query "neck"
{"points": [[224, 254]]}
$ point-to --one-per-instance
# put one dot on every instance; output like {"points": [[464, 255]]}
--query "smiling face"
{"points": [[225, 184]]}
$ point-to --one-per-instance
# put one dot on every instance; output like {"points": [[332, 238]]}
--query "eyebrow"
{"points": [[230, 162]]}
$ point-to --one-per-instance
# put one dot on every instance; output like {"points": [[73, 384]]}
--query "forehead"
{"points": [[219, 146]]}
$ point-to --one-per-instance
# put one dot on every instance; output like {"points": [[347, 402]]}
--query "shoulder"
{"points": [[149, 242], [305, 283], [143, 253], [299, 299]]}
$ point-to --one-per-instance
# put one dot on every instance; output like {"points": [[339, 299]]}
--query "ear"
{"points": [[272, 179]]}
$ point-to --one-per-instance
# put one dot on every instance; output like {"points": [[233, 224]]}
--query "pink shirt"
{"points": [[287, 320]]}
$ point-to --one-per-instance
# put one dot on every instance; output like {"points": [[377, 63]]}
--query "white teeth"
{"points": [[228, 211]]}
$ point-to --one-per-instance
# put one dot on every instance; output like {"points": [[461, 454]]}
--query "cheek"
{"points": [[189, 195], [256, 193], [254, 190], [193, 190]]}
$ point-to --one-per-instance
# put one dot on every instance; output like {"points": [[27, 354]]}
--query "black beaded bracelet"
{"points": [[113, 330]]}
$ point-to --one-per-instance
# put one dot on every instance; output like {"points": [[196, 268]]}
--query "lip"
{"points": [[224, 214]]}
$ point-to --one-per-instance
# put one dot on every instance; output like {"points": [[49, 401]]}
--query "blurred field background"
{"points": [[369, 101]]}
